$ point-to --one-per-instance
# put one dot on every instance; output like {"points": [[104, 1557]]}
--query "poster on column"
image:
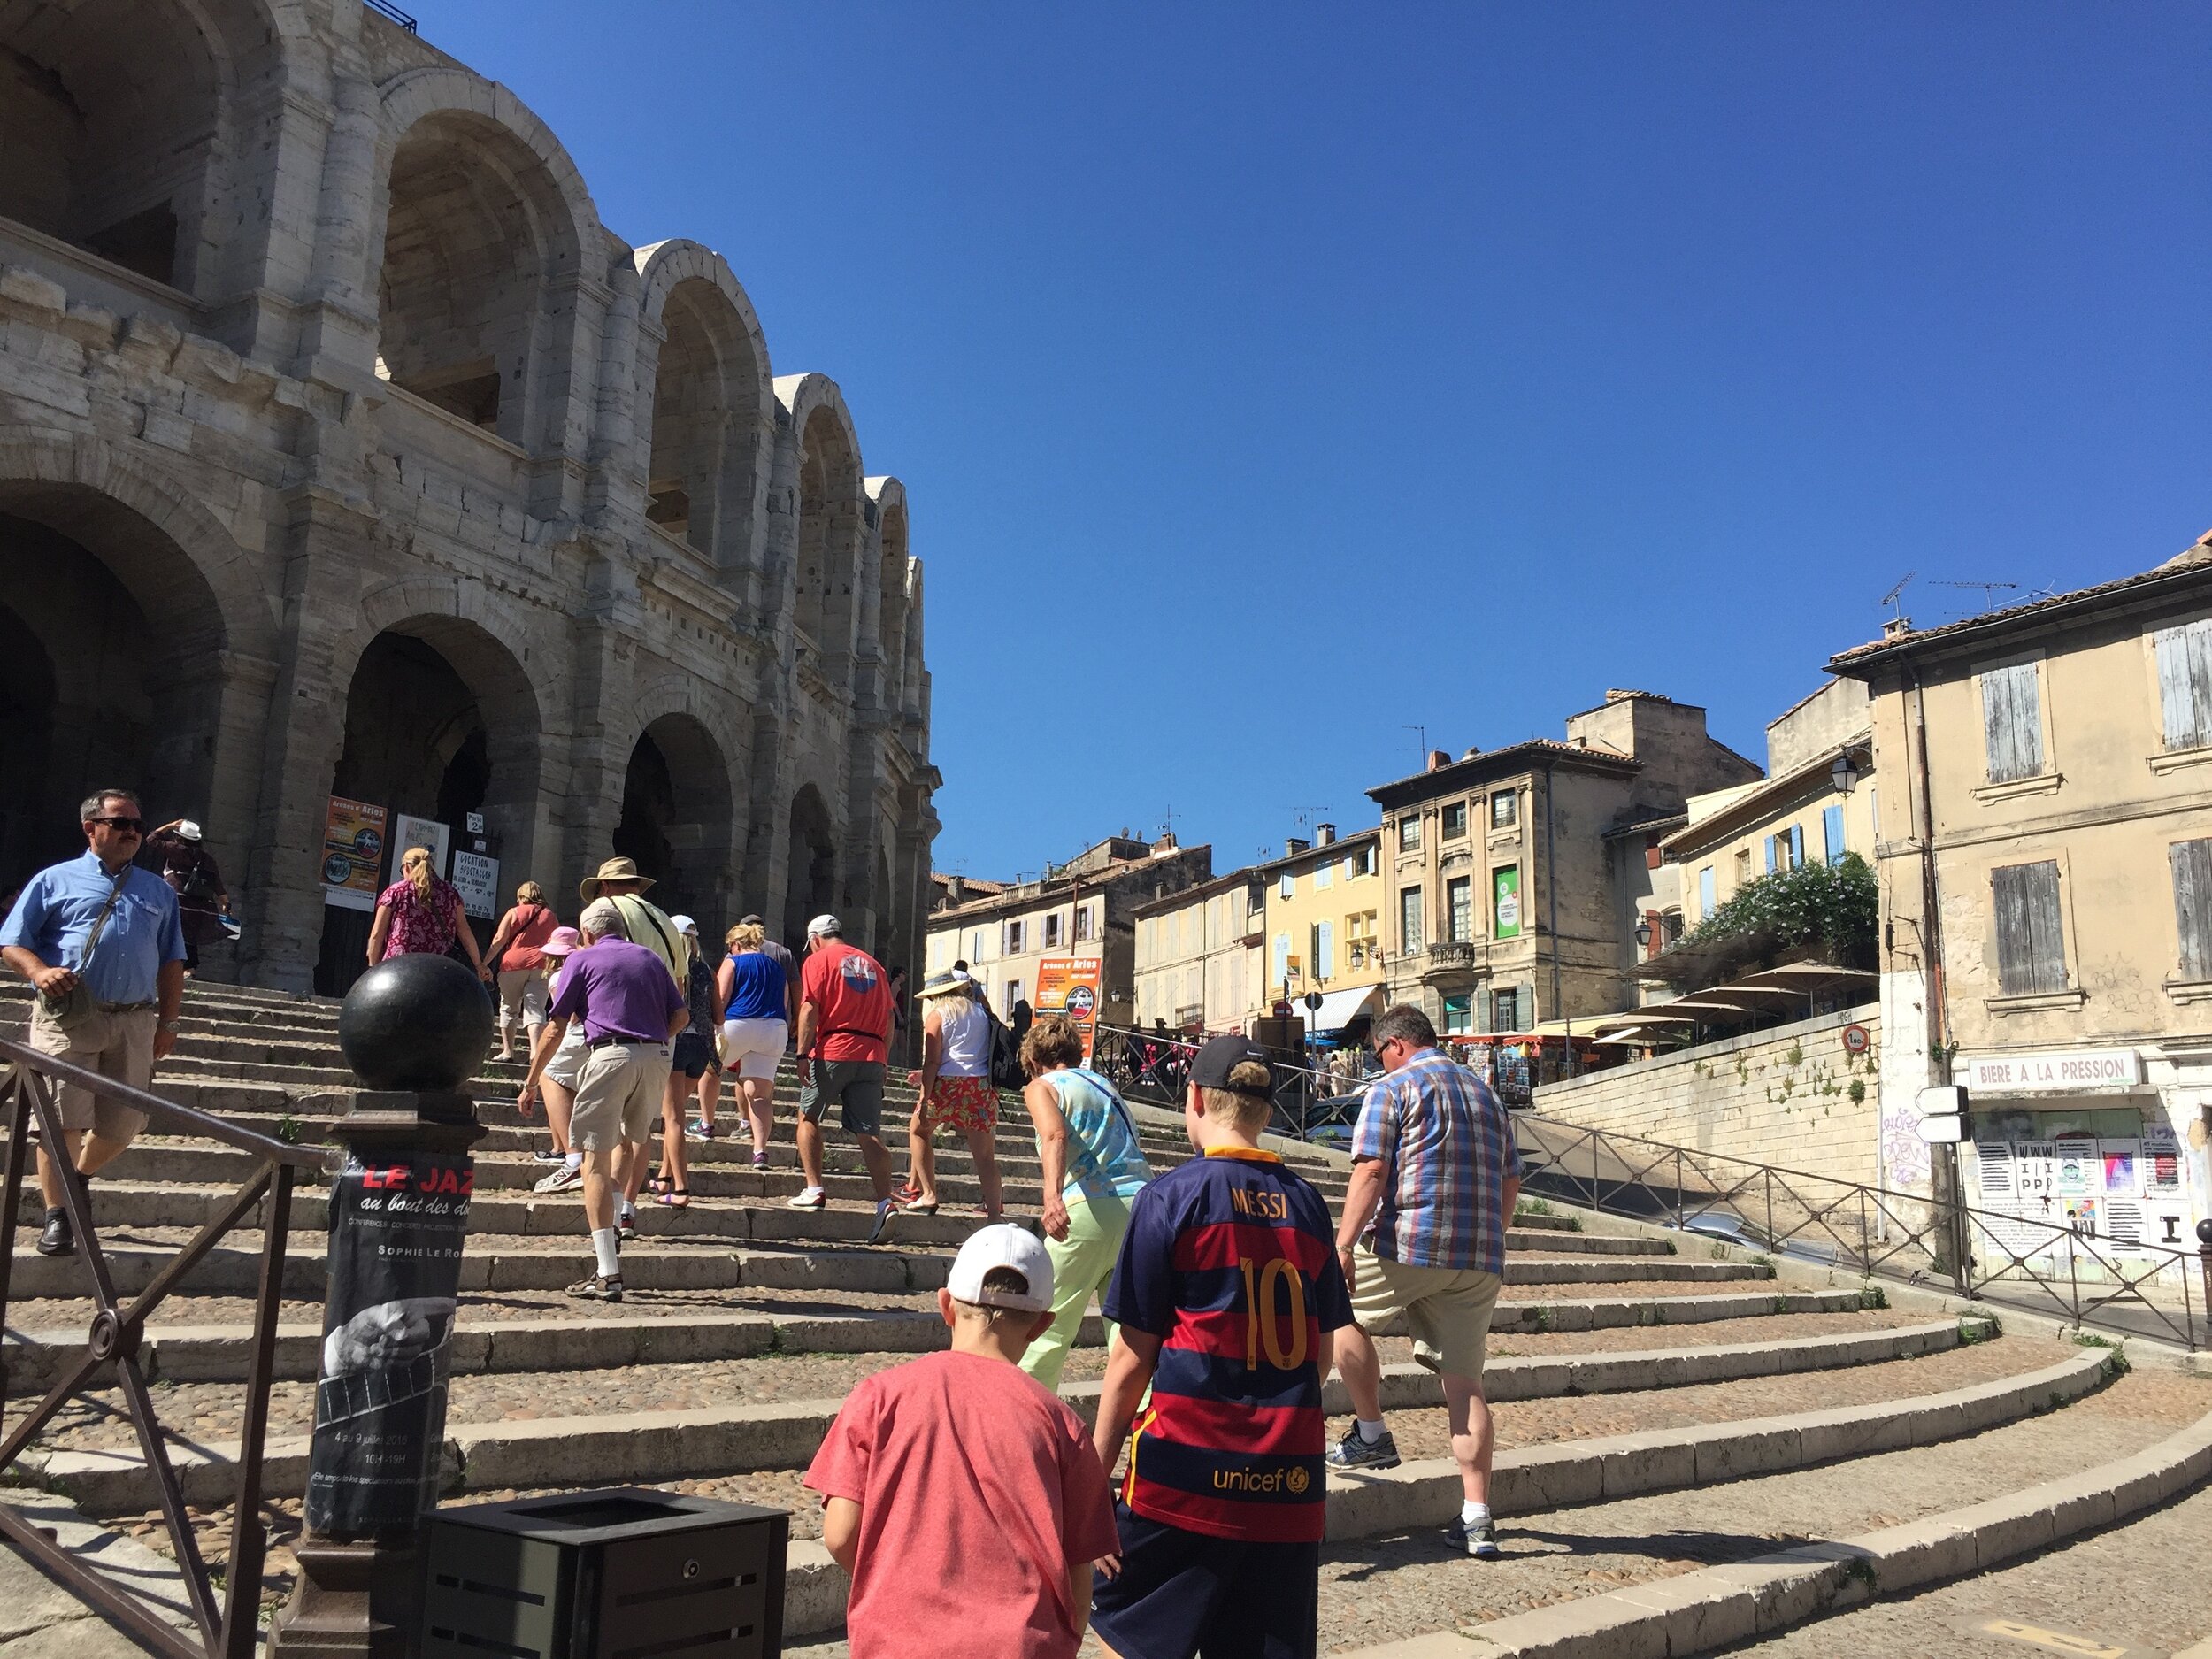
{"points": [[353, 853], [1067, 986], [418, 832]]}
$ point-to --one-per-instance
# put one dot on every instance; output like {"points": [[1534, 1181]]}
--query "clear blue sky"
{"points": [[1268, 379]]}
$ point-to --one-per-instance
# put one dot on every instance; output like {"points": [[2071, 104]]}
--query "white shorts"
{"points": [[752, 1048], [565, 1064]]}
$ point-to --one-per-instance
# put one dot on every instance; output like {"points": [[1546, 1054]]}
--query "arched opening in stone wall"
{"points": [[441, 723], [829, 525], [811, 880], [891, 610], [111, 116], [476, 234], [706, 414], [91, 693], [677, 821]]}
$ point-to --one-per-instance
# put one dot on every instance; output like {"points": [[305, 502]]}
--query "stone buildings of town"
{"points": [[345, 452]]}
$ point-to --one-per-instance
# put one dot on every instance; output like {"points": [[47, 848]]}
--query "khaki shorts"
{"points": [[1448, 1308], [618, 1096], [119, 1046]]}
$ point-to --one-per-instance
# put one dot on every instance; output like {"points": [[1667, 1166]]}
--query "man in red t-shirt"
{"points": [[843, 1037], [961, 1495]]}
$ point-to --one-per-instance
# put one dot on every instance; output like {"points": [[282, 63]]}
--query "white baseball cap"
{"points": [[685, 925], [1003, 1245], [825, 926]]}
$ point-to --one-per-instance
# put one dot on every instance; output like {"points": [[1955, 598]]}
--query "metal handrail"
{"points": [[1875, 1231], [233, 1631], [1154, 1066]]}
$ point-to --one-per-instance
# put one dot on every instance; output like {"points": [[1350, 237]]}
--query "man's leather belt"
{"points": [[627, 1042]]}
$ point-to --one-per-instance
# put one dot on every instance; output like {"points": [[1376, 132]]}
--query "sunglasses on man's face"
{"points": [[131, 826]]}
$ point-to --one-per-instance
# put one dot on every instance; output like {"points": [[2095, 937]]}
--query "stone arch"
{"points": [[117, 644], [810, 870], [482, 227], [121, 125], [893, 579], [826, 571], [440, 720], [703, 437], [679, 806]]}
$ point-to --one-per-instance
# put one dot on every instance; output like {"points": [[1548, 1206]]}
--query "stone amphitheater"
{"points": [[1693, 1450], [345, 452]]}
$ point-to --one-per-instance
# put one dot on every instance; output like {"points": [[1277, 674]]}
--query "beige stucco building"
{"points": [[1798, 813], [1084, 908], [2047, 896], [1511, 879], [345, 452], [1307, 924]]}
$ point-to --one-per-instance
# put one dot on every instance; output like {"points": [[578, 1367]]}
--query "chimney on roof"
{"points": [[1293, 846], [1439, 758], [1473, 749], [1897, 627], [956, 890], [1165, 844], [1326, 833]]}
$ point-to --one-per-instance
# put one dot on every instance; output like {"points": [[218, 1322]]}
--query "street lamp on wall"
{"points": [[1643, 934], [1845, 773]]}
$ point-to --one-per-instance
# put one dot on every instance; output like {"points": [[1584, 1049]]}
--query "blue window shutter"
{"points": [[1771, 855], [1832, 832]]}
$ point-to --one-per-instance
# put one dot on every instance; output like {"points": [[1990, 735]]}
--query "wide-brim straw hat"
{"points": [[613, 869], [943, 985]]}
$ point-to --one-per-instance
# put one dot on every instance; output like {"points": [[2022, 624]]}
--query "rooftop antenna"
{"points": [[1894, 598], [1990, 590], [1422, 736]]}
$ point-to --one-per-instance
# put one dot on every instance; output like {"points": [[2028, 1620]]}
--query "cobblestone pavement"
{"points": [[2137, 1588], [1390, 1588], [211, 1411]]}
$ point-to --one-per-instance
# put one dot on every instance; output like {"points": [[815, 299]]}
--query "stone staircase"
{"points": [[1628, 1377]]}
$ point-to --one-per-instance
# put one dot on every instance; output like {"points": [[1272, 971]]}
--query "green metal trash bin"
{"points": [[625, 1573]]}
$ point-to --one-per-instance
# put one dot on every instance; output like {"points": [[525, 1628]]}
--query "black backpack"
{"points": [[1006, 1059]]}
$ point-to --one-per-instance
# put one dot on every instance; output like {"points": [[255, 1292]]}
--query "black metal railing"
{"points": [[2038, 1266], [27, 1079], [387, 9], [1153, 1067]]}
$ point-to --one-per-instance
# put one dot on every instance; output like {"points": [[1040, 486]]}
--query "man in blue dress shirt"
{"points": [[136, 976]]}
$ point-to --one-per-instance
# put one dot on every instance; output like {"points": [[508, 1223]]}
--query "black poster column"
{"points": [[414, 1029]]}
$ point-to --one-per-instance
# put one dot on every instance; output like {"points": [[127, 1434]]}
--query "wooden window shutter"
{"points": [[2012, 722], [2030, 942], [2184, 684], [2193, 906]]}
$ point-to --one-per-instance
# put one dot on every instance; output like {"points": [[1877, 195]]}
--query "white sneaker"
{"points": [[562, 1179], [808, 1198]]}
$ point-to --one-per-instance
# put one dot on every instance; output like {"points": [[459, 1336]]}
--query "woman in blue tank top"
{"points": [[1092, 1166]]}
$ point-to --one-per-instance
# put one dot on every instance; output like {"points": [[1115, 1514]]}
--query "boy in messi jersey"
{"points": [[1226, 1289]]}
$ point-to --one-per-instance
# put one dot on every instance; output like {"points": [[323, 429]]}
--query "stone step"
{"points": [[1607, 1468], [489, 1341], [641, 1448], [760, 1216], [1623, 1576]]}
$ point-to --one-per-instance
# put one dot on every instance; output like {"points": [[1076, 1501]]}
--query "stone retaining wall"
{"points": [[1784, 1096]]}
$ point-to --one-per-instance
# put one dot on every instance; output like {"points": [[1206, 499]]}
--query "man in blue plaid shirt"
{"points": [[1435, 1168]]}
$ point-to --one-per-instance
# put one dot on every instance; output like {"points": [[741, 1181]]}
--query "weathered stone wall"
{"points": [[1782, 1096], [358, 361]]}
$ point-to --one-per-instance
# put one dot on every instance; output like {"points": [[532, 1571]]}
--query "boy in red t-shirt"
{"points": [[843, 1037], [961, 1495]]}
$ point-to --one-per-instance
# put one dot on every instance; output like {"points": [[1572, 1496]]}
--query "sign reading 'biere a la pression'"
{"points": [[2051, 1074]]}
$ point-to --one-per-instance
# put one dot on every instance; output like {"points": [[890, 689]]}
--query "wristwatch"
{"points": [[168, 1025]]}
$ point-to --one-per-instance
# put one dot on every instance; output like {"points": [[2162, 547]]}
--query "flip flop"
{"points": [[921, 1209], [658, 1184], [677, 1198]]}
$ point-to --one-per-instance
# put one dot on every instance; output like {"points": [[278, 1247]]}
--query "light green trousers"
{"points": [[1081, 1265]]}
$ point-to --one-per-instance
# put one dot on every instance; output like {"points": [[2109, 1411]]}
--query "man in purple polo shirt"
{"points": [[632, 1011]]}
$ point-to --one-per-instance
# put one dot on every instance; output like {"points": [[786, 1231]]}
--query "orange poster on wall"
{"points": [[1069, 986]]}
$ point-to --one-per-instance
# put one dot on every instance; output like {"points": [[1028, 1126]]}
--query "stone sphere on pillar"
{"points": [[418, 1023]]}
